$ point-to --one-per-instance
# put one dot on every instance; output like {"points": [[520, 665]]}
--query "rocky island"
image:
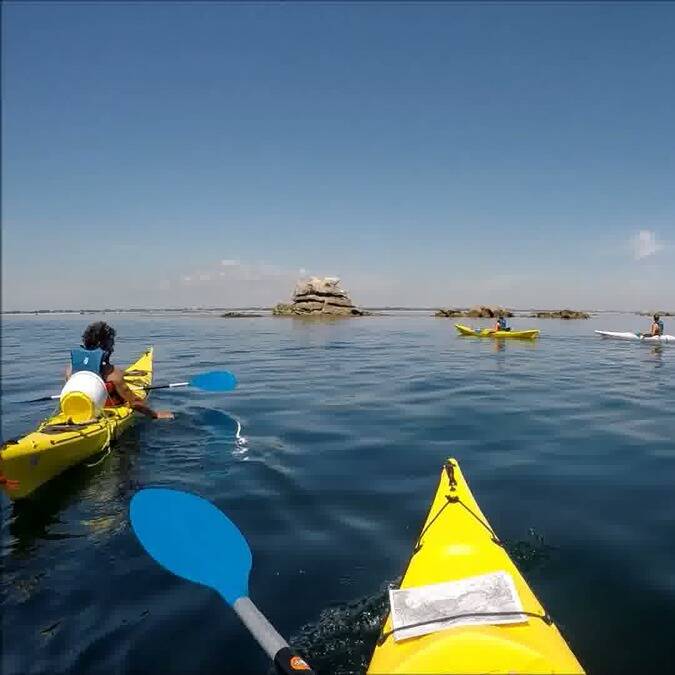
{"points": [[319, 297], [560, 314], [479, 312]]}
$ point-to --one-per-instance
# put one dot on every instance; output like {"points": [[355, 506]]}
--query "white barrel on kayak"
{"points": [[83, 396]]}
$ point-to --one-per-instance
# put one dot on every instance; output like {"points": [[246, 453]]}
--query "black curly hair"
{"points": [[99, 334]]}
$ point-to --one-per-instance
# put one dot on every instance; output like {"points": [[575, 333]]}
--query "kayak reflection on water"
{"points": [[78, 501], [657, 353]]}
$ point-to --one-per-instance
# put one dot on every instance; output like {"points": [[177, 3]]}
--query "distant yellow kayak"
{"points": [[488, 332], [463, 606]]}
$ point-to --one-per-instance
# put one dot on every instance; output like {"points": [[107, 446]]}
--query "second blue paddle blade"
{"points": [[192, 538], [218, 380]]}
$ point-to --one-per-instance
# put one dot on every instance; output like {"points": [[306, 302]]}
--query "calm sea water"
{"points": [[568, 444]]}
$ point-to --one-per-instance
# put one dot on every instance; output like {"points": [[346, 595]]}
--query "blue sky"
{"points": [[170, 154]]}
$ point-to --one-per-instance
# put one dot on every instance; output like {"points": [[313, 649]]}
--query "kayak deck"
{"points": [[635, 336], [487, 332], [457, 543], [29, 462]]}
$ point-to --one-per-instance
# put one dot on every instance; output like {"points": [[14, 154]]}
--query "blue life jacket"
{"points": [[660, 323], [87, 359], [501, 322]]}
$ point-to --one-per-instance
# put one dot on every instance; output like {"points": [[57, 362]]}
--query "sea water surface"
{"points": [[568, 444]]}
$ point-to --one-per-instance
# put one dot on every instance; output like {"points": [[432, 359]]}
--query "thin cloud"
{"points": [[235, 270], [645, 244]]}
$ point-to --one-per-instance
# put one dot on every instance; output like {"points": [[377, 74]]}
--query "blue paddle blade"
{"points": [[192, 538], [218, 380]]}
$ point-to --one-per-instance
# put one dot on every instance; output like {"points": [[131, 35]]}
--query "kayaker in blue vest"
{"points": [[501, 323], [98, 343]]}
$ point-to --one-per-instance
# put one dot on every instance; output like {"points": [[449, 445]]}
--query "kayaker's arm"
{"points": [[138, 404]]}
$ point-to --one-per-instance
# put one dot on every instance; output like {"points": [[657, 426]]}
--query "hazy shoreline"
{"points": [[520, 312]]}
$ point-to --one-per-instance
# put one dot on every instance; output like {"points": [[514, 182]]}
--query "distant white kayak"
{"points": [[635, 336]]}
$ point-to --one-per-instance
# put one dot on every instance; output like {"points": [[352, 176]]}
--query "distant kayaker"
{"points": [[501, 323], [656, 328], [98, 343]]}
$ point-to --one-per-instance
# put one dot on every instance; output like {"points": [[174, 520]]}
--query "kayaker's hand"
{"points": [[164, 415]]}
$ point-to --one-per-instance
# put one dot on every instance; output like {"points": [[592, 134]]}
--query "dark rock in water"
{"points": [[319, 297], [479, 312], [659, 313], [488, 312], [239, 315], [560, 314]]}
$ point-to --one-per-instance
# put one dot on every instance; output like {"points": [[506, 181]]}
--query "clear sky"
{"points": [[179, 154]]}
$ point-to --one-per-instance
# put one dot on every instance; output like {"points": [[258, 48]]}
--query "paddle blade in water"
{"points": [[192, 538], [215, 381]]}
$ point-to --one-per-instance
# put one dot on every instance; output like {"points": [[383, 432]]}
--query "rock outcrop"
{"points": [[449, 313], [479, 312], [560, 314], [319, 297], [239, 315], [659, 313]]}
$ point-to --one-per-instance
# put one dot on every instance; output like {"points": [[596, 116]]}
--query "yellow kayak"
{"points": [[463, 606], [57, 444], [488, 332]]}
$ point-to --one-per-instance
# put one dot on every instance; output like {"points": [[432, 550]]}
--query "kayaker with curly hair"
{"points": [[98, 343]]}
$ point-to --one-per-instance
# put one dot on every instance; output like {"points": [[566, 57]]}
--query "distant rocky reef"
{"points": [[479, 312], [319, 297], [560, 314], [659, 313], [240, 315]]}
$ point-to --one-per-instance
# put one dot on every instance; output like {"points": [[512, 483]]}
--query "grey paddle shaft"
{"points": [[261, 629]]}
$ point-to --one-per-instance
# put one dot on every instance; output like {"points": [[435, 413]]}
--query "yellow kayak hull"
{"points": [[29, 462], [455, 545], [487, 332]]}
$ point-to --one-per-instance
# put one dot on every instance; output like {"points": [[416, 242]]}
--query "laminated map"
{"points": [[446, 605]]}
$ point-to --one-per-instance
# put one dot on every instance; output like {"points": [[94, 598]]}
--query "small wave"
{"points": [[342, 639]]}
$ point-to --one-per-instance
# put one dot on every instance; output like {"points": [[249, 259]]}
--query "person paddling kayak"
{"points": [[98, 343], [656, 328], [501, 324]]}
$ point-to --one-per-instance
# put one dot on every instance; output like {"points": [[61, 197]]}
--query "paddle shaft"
{"points": [[154, 386], [285, 660], [215, 381], [164, 386]]}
